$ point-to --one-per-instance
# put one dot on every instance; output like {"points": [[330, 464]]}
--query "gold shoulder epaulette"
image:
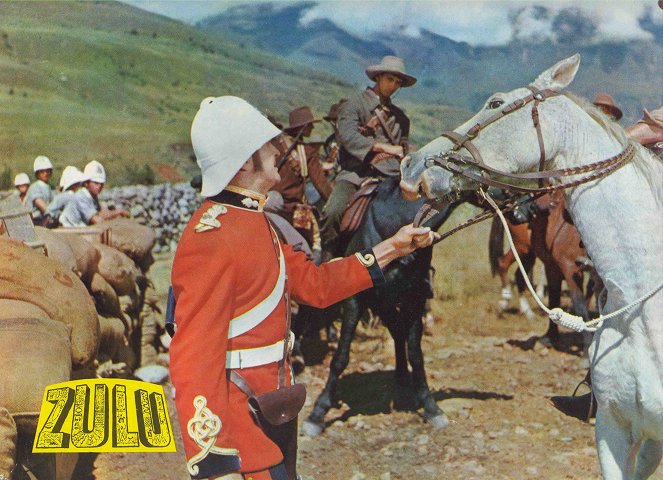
{"points": [[209, 221]]}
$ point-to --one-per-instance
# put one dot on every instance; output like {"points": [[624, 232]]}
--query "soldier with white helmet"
{"points": [[40, 193], [232, 280], [84, 209], [22, 183], [72, 179]]}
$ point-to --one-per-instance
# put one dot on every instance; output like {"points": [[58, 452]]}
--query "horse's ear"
{"points": [[560, 75]]}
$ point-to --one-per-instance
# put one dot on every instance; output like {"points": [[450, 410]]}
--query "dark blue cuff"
{"points": [[214, 464], [368, 260]]}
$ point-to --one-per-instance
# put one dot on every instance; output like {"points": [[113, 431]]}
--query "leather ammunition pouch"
{"points": [[278, 406], [357, 206]]}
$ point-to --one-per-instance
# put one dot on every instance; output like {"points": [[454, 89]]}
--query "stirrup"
{"points": [[592, 407]]}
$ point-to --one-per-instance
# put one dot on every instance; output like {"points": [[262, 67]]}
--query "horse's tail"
{"points": [[495, 244]]}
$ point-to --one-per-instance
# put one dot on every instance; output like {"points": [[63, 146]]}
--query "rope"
{"points": [[557, 315]]}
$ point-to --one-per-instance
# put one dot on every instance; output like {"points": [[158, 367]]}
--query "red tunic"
{"points": [[226, 268]]}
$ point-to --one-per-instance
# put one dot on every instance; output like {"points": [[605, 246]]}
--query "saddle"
{"points": [[354, 212]]}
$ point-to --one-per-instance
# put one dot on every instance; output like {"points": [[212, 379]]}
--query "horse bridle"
{"points": [[467, 167]]}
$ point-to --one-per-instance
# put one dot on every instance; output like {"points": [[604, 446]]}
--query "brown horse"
{"points": [[552, 238]]}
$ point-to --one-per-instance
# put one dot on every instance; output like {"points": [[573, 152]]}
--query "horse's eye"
{"points": [[493, 104]]}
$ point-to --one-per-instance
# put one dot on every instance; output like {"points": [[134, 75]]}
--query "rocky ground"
{"points": [[487, 373]]}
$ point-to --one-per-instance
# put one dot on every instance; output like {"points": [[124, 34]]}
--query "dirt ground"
{"points": [[486, 371]]}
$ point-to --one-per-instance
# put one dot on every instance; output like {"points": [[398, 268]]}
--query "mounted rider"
{"points": [[373, 138]]}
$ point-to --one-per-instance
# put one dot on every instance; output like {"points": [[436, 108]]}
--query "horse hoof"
{"points": [[438, 422], [503, 304], [312, 429]]}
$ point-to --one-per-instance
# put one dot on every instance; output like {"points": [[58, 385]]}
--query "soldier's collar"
{"points": [[240, 198]]}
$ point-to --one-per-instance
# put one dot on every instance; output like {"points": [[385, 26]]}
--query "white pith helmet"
{"points": [[70, 177], [225, 132], [42, 163], [21, 179], [95, 172]]}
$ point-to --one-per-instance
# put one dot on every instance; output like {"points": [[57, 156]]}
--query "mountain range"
{"points": [[450, 72]]}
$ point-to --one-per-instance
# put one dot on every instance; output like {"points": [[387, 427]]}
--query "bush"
{"points": [[143, 175], [6, 180]]}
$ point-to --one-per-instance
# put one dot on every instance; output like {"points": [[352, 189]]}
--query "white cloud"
{"points": [[482, 22], [477, 22]]}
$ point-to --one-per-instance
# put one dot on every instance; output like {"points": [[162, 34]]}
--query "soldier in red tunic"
{"points": [[232, 283]]}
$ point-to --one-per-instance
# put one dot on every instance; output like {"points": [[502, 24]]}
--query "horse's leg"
{"points": [[649, 458], [574, 278], [503, 264], [554, 280], [528, 263], [432, 412], [616, 452], [352, 311]]}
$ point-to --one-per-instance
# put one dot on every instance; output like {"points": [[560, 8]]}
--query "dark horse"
{"points": [[399, 302]]}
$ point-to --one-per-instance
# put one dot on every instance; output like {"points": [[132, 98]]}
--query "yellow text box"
{"points": [[104, 415]]}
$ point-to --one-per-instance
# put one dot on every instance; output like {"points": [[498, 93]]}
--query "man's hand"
{"points": [[404, 242], [394, 150]]}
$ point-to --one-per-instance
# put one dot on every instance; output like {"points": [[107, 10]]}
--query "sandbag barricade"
{"points": [[28, 276]]}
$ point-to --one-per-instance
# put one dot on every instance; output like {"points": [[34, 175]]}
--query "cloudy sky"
{"points": [[477, 22]]}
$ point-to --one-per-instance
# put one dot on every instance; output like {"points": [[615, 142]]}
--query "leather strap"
{"points": [[248, 320], [254, 357]]}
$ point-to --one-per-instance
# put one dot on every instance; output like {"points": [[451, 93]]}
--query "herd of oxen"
{"points": [[84, 303], [77, 312]]}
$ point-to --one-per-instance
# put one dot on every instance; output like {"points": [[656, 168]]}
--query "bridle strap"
{"points": [[537, 125]]}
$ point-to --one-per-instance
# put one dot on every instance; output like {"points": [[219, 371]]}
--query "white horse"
{"points": [[620, 220]]}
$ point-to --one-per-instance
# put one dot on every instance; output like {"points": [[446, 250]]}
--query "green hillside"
{"points": [[106, 81]]}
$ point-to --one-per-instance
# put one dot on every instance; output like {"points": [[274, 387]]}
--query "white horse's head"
{"points": [[508, 144]]}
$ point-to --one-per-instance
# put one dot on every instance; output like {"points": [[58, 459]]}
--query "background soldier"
{"points": [[302, 163], [608, 106], [40, 193], [84, 209], [373, 135], [22, 183]]}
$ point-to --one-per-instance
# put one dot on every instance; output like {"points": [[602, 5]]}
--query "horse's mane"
{"points": [[645, 162]]}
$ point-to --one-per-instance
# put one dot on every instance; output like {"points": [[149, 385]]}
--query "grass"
{"points": [[105, 81]]}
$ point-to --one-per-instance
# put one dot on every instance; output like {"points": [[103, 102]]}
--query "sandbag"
{"points": [[31, 277], [7, 443], [10, 309], [113, 344], [134, 240], [86, 256], [35, 354], [105, 298], [118, 270], [57, 248]]}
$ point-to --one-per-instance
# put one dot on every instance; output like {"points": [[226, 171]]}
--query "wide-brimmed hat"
{"points": [[649, 128], [332, 116], [225, 132], [605, 100], [391, 64], [300, 117]]}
